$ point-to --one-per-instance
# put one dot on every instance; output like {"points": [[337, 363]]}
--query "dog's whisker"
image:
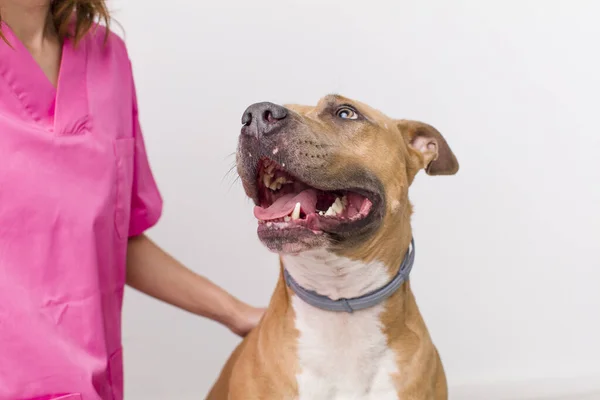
{"points": [[229, 172], [233, 183]]}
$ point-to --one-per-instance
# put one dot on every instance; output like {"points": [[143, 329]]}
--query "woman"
{"points": [[76, 196]]}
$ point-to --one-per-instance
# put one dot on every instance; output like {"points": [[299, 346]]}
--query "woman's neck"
{"points": [[31, 22]]}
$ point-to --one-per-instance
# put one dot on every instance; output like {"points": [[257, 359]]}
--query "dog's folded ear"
{"points": [[428, 148]]}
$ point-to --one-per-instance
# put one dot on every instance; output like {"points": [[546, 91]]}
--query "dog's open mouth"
{"points": [[286, 202]]}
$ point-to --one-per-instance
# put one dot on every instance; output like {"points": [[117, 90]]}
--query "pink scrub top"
{"points": [[75, 184]]}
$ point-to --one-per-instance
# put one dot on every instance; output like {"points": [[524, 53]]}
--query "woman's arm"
{"points": [[155, 273]]}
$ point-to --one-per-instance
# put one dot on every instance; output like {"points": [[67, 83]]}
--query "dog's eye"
{"points": [[346, 113]]}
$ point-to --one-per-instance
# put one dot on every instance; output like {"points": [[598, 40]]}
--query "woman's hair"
{"points": [[82, 13]]}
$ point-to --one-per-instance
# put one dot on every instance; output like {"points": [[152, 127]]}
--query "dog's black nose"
{"points": [[261, 119]]}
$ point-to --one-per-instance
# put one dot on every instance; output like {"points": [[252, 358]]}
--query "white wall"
{"points": [[508, 264]]}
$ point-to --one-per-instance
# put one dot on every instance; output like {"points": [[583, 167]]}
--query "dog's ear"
{"points": [[428, 148]]}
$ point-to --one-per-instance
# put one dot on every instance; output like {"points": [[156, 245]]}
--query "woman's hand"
{"points": [[154, 272], [245, 319]]}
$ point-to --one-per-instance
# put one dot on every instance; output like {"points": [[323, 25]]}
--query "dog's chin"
{"points": [[291, 240]]}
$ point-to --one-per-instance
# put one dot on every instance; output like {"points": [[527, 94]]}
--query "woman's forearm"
{"points": [[155, 273]]}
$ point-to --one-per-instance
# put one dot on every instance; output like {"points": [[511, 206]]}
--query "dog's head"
{"points": [[335, 175]]}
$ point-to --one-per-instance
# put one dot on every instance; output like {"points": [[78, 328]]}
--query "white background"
{"points": [[508, 267]]}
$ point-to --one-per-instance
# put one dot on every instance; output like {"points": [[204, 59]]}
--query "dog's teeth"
{"points": [[344, 201], [267, 180], [330, 212], [296, 212], [277, 183], [337, 206], [321, 213], [274, 184], [281, 181], [287, 219]]}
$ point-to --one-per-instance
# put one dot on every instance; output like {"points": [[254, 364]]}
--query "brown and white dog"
{"points": [[330, 184]]}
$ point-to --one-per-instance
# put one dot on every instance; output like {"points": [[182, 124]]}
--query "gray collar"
{"points": [[357, 303]]}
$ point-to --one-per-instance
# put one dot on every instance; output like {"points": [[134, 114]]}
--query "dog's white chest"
{"points": [[341, 356]]}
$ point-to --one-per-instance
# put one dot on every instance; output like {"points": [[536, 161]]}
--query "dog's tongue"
{"points": [[285, 205]]}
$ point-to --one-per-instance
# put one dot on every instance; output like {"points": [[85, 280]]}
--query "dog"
{"points": [[330, 186]]}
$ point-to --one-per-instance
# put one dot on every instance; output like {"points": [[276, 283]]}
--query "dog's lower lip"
{"points": [[273, 226]]}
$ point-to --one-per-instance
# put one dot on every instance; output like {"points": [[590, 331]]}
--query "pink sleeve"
{"points": [[146, 202]]}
